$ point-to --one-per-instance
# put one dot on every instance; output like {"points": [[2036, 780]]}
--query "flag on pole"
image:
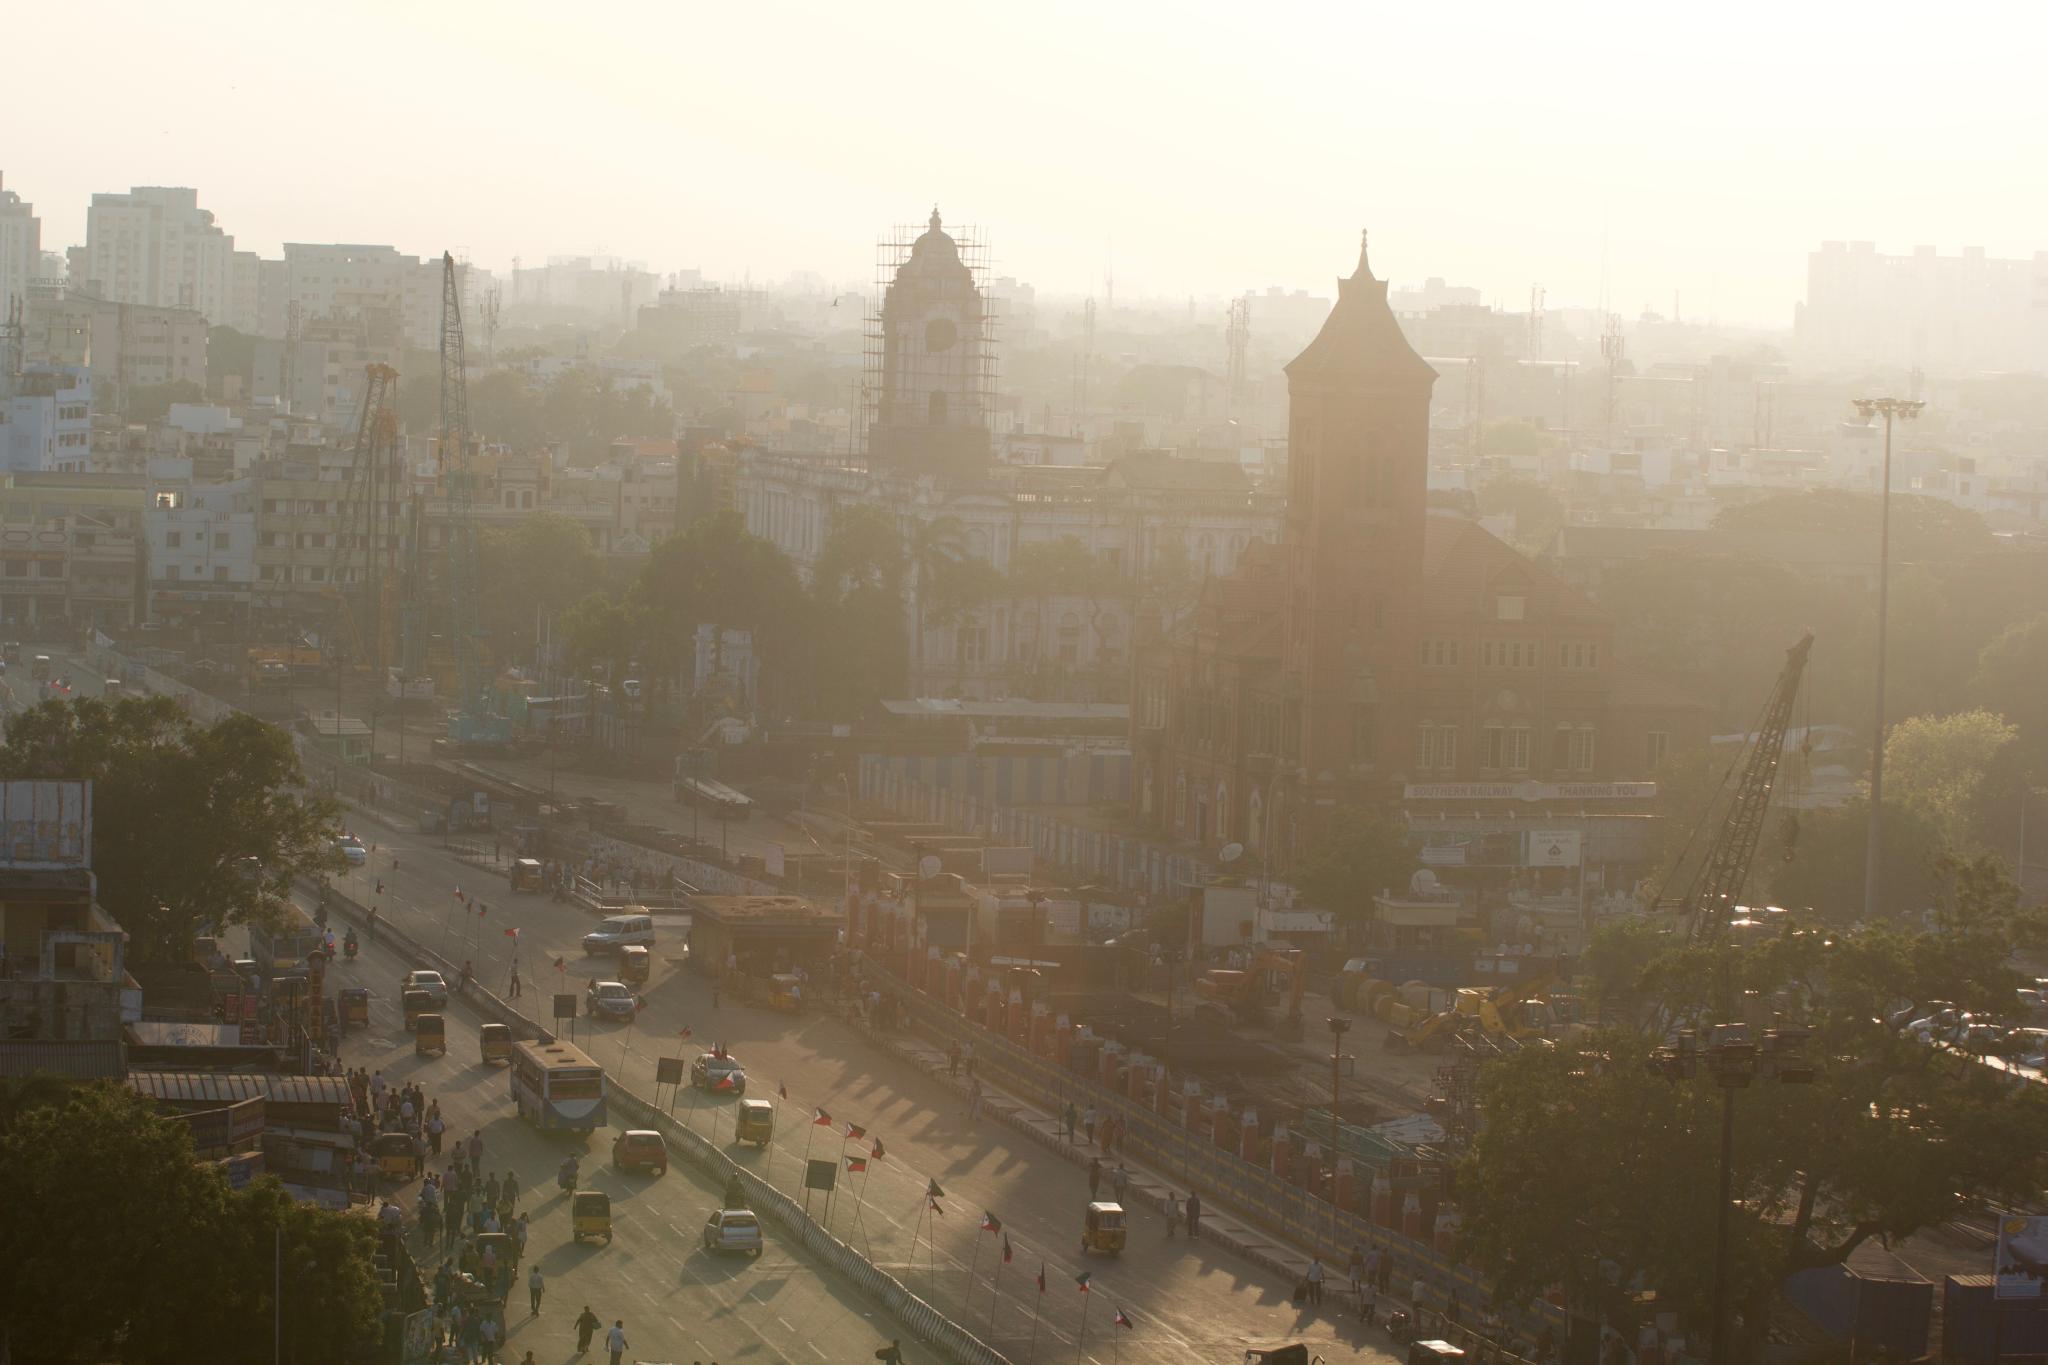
{"points": [[725, 1082], [480, 909], [683, 1032], [991, 1223], [1081, 1280], [933, 1191], [1041, 1277], [824, 1120], [782, 1089], [512, 933], [459, 896], [935, 1205], [1123, 1319], [856, 1164], [562, 965], [854, 1132], [1006, 1248], [876, 1152]]}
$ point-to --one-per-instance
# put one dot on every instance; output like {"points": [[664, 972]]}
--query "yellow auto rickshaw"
{"points": [[526, 874], [1103, 1228], [414, 1004], [590, 1215], [756, 1123], [635, 963], [494, 1041], [397, 1156], [355, 1006], [504, 1244], [785, 992], [429, 1034]]}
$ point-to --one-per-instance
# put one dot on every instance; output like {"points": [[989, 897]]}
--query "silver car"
{"points": [[733, 1230]]}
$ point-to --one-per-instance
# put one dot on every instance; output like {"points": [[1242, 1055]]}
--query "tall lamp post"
{"points": [[1902, 410], [1339, 1026], [1733, 1061]]}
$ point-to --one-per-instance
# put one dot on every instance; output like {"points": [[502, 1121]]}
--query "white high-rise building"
{"points": [[21, 247], [376, 285], [156, 246]]}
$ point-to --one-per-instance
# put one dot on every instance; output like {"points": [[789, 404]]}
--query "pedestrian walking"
{"points": [[1088, 1123], [1173, 1215], [511, 1189], [476, 1150], [974, 1102], [535, 1283], [1194, 1214], [513, 990], [1385, 1279], [1315, 1277], [1120, 1182], [1094, 1176], [615, 1340], [1067, 1121], [1375, 1269], [953, 1058], [434, 1130], [586, 1328]]}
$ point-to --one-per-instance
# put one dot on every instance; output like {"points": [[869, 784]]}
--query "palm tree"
{"points": [[934, 547]]}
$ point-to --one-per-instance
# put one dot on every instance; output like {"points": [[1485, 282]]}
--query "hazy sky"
{"points": [[1189, 148]]}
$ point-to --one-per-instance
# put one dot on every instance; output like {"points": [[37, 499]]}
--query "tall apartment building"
{"points": [[21, 248], [156, 246], [46, 419], [375, 284], [70, 548], [1926, 311]]}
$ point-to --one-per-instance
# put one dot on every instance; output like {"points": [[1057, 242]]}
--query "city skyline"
{"points": [[1633, 189]]}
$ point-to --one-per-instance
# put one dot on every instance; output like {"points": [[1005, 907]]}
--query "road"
{"points": [[1188, 1302], [678, 1302]]}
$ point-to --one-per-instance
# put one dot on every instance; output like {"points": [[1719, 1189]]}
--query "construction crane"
{"points": [[368, 524], [471, 724], [1710, 893]]}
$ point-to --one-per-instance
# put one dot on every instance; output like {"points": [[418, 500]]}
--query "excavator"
{"points": [[1516, 1013], [1239, 997]]}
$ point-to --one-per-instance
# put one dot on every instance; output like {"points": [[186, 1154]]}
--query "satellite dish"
{"points": [[1231, 852], [1423, 883], [928, 866]]}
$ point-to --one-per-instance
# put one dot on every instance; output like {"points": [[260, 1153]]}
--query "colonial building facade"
{"points": [[1380, 647]]}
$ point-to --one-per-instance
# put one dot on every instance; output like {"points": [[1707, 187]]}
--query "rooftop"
{"points": [[762, 910]]}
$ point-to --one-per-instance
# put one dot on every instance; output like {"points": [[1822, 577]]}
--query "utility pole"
{"points": [[1339, 1025], [1904, 410]]}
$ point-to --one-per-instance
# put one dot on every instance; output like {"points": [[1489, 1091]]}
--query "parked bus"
{"points": [[284, 949], [555, 1085]]}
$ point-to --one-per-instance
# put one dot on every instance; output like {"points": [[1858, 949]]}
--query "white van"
{"points": [[617, 931]]}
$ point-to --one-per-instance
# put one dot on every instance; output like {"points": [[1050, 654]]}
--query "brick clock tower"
{"points": [[1358, 459]]}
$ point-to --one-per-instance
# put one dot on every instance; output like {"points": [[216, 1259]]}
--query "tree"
{"points": [[1945, 765], [1891, 1136], [1816, 858], [936, 548], [2009, 678], [179, 811], [122, 1246], [1537, 511], [1922, 528], [151, 403], [1688, 782], [716, 573], [599, 634], [1362, 852], [545, 562]]}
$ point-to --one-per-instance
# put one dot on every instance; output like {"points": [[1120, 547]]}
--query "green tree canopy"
{"points": [[546, 561], [179, 810], [1922, 528], [1815, 858], [121, 1246], [2010, 677], [1363, 852], [1891, 1136], [1947, 766]]}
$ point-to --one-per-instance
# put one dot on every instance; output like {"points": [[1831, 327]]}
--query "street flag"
{"points": [[459, 896], [991, 1223], [855, 1165], [1041, 1277], [481, 908], [1123, 1319], [824, 1120], [876, 1152], [512, 933], [855, 1132], [935, 1205], [782, 1089], [725, 1082], [1006, 1248], [562, 965], [1081, 1280], [933, 1191], [682, 1032]]}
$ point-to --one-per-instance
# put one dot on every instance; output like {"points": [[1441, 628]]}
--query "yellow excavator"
{"points": [[1239, 997], [1516, 1013]]}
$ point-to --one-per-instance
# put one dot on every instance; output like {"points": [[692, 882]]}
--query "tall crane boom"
{"points": [[472, 722], [1716, 884], [365, 548]]}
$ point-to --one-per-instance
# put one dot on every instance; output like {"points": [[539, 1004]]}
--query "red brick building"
{"points": [[1380, 645]]}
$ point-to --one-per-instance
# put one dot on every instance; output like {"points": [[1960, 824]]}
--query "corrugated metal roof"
{"points": [[232, 1087], [79, 1059]]}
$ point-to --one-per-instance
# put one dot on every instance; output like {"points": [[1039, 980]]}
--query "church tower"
{"points": [[932, 408], [1357, 504]]}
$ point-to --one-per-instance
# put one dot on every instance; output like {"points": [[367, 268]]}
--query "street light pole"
{"points": [[1891, 409], [1339, 1025]]}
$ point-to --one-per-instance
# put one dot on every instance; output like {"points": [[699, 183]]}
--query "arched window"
{"points": [[1070, 638], [1222, 810], [1255, 822], [1180, 803]]}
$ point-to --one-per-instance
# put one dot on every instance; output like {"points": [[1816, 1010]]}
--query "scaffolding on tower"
{"points": [[363, 559], [472, 723], [892, 252]]}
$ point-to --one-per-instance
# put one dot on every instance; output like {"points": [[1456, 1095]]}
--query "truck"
{"points": [[284, 949]]}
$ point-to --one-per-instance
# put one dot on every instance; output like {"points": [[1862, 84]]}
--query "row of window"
{"points": [[1571, 654], [1507, 748]]}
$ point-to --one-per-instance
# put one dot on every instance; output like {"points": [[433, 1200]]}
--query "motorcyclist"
{"points": [[348, 945], [566, 1177]]}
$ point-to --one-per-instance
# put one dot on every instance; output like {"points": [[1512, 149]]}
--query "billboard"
{"points": [[2022, 1258], [46, 824], [1553, 848]]}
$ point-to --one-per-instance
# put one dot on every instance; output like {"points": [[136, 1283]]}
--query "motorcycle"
{"points": [[566, 1177], [1402, 1327], [348, 947]]}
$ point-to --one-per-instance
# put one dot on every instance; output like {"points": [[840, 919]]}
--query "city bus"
{"points": [[555, 1085]]}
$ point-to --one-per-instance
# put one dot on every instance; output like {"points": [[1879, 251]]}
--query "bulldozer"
{"points": [[1233, 997]]}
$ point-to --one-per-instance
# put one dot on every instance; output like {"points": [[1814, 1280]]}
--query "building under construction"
{"points": [[928, 375]]}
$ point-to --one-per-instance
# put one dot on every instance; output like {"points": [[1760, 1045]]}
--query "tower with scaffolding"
{"points": [[928, 372]]}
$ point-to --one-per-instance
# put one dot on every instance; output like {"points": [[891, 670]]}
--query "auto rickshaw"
{"points": [[429, 1034], [355, 1006], [635, 964], [785, 993], [494, 1042], [506, 1245], [414, 1004], [590, 1215], [526, 875], [397, 1156], [1103, 1228], [756, 1123]]}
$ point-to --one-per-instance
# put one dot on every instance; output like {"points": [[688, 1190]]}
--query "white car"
{"points": [[352, 850], [421, 979], [733, 1230]]}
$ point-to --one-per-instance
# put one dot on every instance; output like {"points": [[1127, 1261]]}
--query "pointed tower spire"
{"points": [[1364, 271], [935, 218]]}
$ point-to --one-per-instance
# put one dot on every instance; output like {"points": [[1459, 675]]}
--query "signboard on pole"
{"points": [[565, 1007], [668, 1071], [821, 1175], [1553, 848], [2022, 1258]]}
